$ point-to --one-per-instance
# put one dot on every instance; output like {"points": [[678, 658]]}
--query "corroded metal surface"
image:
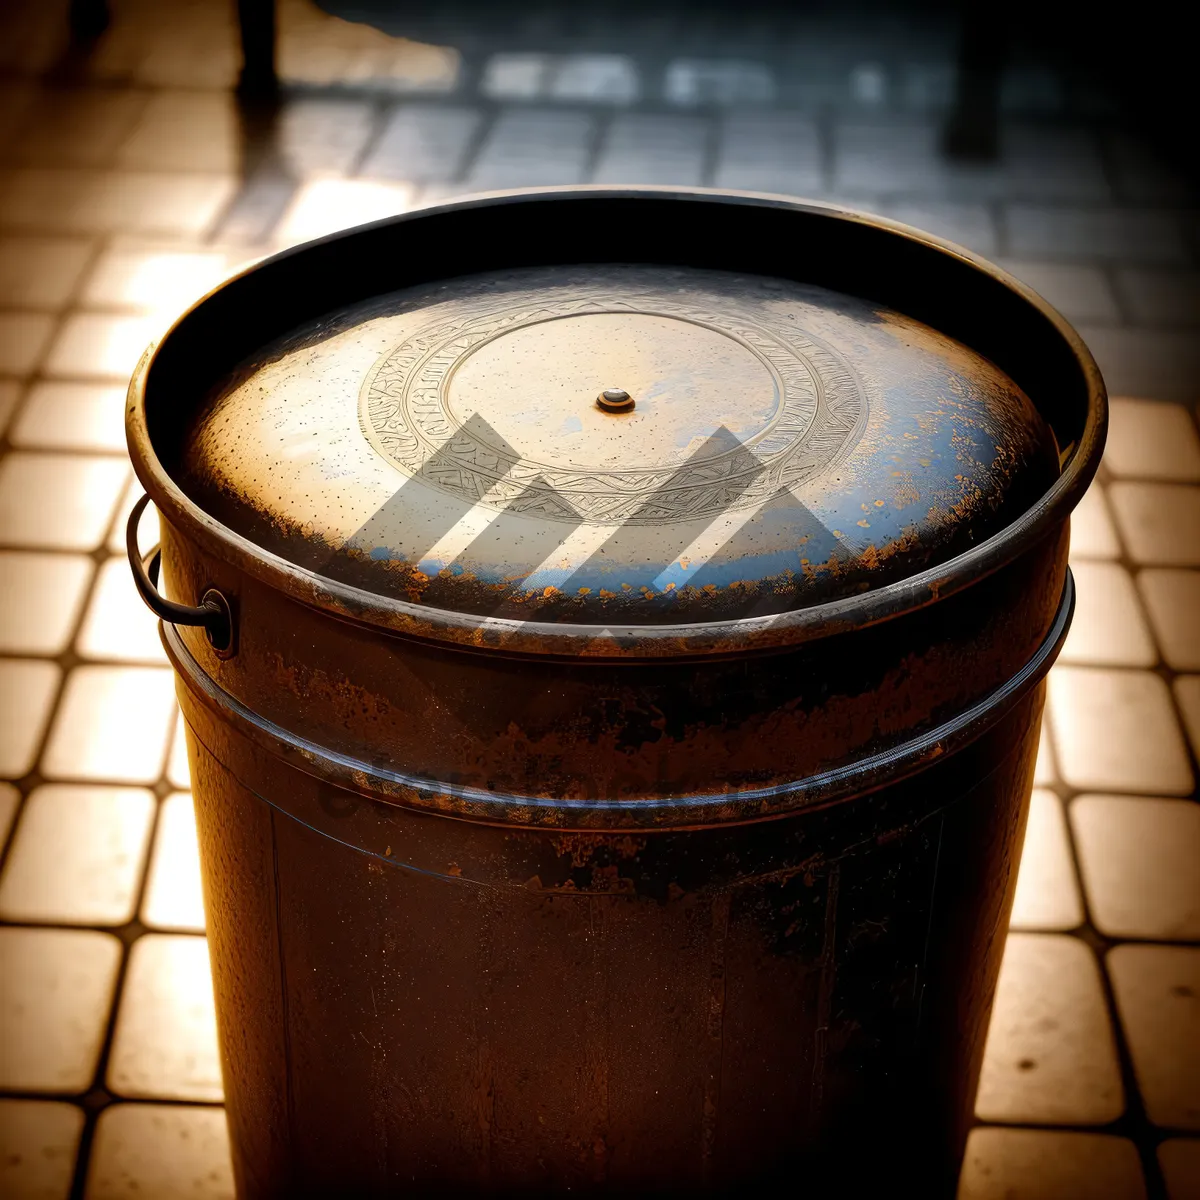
{"points": [[410, 1002]]}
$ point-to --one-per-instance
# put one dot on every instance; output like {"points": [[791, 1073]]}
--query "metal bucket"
{"points": [[674, 905]]}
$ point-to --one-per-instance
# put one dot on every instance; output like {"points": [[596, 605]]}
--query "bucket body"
{"points": [[410, 998]]}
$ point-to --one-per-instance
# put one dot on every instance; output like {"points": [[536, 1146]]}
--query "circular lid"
{"points": [[617, 444]]}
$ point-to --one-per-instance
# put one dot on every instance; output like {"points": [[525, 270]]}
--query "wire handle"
{"points": [[214, 613]]}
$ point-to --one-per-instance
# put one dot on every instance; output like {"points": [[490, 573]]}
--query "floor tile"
{"points": [[161, 279], [27, 690], [257, 209], [1172, 600], [59, 501], [160, 1152], [165, 1042], [508, 76], [1160, 297], [101, 345], [1140, 860], [1117, 731], [326, 205], [1163, 363], [1093, 534], [56, 989], [1128, 235], [691, 83], [174, 899], [648, 148], [595, 79], [41, 597], [1108, 628], [185, 131], [41, 272], [1047, 895], [898, 153], [769, 152], [1080, 293], [77, 126], [423, 143], [112, 725], [1179, 1159], [533, 146], [1050, 1057], [895, 154], [72, 416], [1159, 522], [23, 337], [39, 1141], [67, 200], [10, 800], [1151, 440], [194, 46], [1045, 773], [178, 772], [1157, 989], [118, 625], [1187, 696], [1044, 1164], [323, 137], [77, 856]]}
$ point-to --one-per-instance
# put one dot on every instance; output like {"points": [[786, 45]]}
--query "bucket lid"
{"points": [[618, 443]]}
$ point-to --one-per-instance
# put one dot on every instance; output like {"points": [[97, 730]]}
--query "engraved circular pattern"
{"points": [[406, 417]]}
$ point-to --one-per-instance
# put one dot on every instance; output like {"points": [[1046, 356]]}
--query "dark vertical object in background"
{"points": [[89, 19], [972, 130], [256, 19]]}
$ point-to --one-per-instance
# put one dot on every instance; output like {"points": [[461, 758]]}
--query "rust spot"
{"points": [[610, 879], [580, 847]]}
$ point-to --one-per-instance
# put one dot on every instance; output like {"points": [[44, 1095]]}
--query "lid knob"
{"points": [[615, 400]]}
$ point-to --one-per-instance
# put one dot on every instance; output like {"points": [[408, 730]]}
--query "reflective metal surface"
{"points": [[777, 445]]}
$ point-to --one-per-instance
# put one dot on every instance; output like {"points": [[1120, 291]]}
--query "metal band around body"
{"points": [[747, 804]]}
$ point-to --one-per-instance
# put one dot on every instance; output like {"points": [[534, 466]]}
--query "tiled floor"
{"points": [[130, 183]]}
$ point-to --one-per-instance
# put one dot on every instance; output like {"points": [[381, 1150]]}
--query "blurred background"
{"points": [[147, 149]]}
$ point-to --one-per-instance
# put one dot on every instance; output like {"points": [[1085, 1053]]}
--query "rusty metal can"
{"points": [[610, 627]]}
